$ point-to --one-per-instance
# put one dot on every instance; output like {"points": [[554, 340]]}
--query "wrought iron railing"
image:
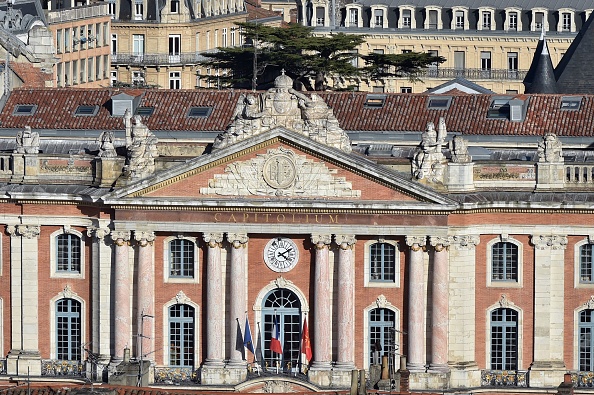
{"points": [[474, 74], [81, 12], [175, 375], [53, 367], [156, 59], [582, 379], [504, 378]]}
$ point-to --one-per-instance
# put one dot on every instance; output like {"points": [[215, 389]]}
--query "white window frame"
{"points": [[384, 10], [166, 272], [175, 76], [181, 298], [439, 21], [138, 10], [174, 44], [545, 19], [66, 294], [518, 12], [113, 77], [224, 41], [138, 45], [466, 24], [367, 265], [174, 6], [505, 284], [577, 264], [350, 8], [504, 303], [413, 22], [54, 273], [481, 12], [380, 302], [571, 13]]}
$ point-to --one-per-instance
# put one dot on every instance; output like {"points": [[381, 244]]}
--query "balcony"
{"points": [[77, 13], [175, 375], [153, 59], [504, 378], [474, 74], [59, 368]]}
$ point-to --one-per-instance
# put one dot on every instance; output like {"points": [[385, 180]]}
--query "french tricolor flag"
{"points": [[275, 343]]}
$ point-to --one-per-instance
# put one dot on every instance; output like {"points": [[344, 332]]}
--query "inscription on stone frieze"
{"points": [[278, 218]]}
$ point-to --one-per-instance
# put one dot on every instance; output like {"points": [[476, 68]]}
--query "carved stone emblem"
{"points": [[279, 171]]}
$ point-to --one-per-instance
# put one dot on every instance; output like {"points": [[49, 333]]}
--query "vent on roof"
{"points": [[145, 111], [199, 112], [499, 108], [122, 102], [375, 101], [439, 103], [24, 109], [571, 102], [85, 110]]}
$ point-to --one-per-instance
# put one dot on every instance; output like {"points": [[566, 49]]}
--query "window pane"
{"points": [[382, 262], [181, 335]]}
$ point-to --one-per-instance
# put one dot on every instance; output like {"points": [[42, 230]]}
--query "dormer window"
{"points": [[433, 20], [320, 16], [379, 16], [539, 19], [175, 6], [512, 19], [138, 10], [353, 17], [407, 17], [486, 19], [460, 20], [566, 20]]}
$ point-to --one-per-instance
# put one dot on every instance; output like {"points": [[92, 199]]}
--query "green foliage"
{"points": [[409, 64], [303, 55]]}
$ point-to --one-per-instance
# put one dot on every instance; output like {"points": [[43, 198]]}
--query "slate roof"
{"points": [[466, 114], [541, 76], [498, 4], [574, 73]]}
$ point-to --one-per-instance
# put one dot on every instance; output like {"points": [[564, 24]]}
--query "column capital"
{"points": [[416, 243], [237, 240], [98, 232], [553, 242], [213, 239], [27, 231], [464, 242], [144, 238], [321, 241], [439, 243], [120, 237], [345, 242]]}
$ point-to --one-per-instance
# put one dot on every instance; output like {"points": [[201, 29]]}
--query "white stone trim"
{"points": [[491, 11], [380, 302], [413, 21], [505, 284], [518, 11], [576, 264], [181, 280], [347, 20], [181, 298], [83, 263], [367, 264], [571, 12], [67, 293], [384, 8], [466, 22], [439, 20], [504, 302], [545, 19]]}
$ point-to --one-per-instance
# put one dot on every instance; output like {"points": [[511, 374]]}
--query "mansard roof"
{"points": [[55, 111], [497, 4], [574, 72]]}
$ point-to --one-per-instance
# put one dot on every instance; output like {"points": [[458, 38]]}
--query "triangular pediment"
{"points": [[281, 165]]}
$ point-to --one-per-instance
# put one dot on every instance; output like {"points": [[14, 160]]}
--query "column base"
{"points": [[23, 363], [465, 374], [428, 380], [547, 374], [439, 368], [416, 367], [320, 374], [341, 376], [222, 375]]}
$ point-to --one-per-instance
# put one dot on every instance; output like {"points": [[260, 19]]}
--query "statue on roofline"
{"points": [[27, 141]]}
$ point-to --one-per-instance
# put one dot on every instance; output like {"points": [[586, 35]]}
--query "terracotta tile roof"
{"points": [[401, 112], [31, 76], [256, 12]]}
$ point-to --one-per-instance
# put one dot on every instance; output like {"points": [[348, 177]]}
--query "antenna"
{"points": [[141, 336]]}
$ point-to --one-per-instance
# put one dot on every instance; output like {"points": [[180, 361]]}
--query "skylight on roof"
{"points": [[199, 112], [24, 109], [571, 102], [86, 110], [439, 103], [145, 111], [375, 101], [499, 108]]}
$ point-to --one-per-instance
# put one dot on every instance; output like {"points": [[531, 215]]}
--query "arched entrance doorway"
{"points": [[285, 304]]}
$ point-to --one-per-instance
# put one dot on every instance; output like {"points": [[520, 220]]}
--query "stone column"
{"points": [[548, 368], [439, 304], [416, 304], [100, 285], [462, 335], [24, 357], [214, 301], [320, 372], [145, 296], [346, 302], [122, 276], [238, 297]]}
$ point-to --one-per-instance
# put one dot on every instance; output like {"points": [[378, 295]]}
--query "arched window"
{"points": [[381, 335], [181, 258], [181, 335], [68, 330], [586, 329], [504, 262], [382, 262], [504, 339], [586, 264], [68, 253], [285, 305]]}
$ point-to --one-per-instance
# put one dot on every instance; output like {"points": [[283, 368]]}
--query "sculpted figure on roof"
{"points": [[285, 107], [107, 149], [27, 141], [426, 163], [550, 149], [142, 150], [459, 150]]}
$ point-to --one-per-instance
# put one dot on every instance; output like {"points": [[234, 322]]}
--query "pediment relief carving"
{"points": [[280, 172]]}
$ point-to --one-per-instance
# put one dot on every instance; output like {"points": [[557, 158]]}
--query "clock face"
{"points": [[281, 255]]}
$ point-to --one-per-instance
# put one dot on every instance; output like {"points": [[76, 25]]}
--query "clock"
{"points": [[281, 254]]}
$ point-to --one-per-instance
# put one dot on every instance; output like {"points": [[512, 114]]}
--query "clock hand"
{"points": [[283, 254]]}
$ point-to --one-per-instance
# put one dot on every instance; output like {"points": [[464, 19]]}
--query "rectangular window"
{"points": [[75, 71], [320, 16], [486, 20], [67, 74], [137, 78], [382, 258], [105, 34], [432, 69], [59, 77], [174, 80], [68, 253], [459, 19], [113, 77], [111, 4], [538, 20], [378, 18], [504, 262], [174, 6], [566, 21], [512, 65], [224, 38], [485, 64], [207, 40], [459, 63], [98, 72], [382, 339], [432, 19], [181, 335], [59, 41], [181, 258], [138, 10], [353, 17], [586, 264], [67, 40], [406, 19], [513, 21], [174, 48], [68, 330], [233, 37], [83, 71], [504, 339], [138, 46], [114, 44], [406, 89], [216, 38]]}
